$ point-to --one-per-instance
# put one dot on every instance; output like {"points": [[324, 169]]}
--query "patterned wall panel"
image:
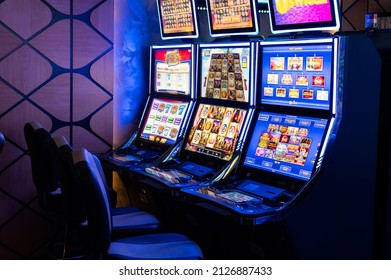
{"points": [[353, 12], [56, 68]]}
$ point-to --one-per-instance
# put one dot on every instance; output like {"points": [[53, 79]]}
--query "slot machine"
{"points": [[167, 111], [170, 95], [212, 144], [211, 147], [301, 189]]}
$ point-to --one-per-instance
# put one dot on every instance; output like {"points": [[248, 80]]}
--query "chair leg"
{"points": [[74, 243], [66, 240], [48, 249]]}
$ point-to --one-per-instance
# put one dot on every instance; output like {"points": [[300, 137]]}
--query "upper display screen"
{"points": [[295, 16], [285, 144], [215, 131], [172, 69], [177, 19], [232, 17], [163, 121], [297, 75], [225, 72]]}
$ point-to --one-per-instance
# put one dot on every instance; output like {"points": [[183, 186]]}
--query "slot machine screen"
{"points": [[284, 144], [297, 74], [215, 131], [225, 72], [295, 16], [163, 121], [172, 69], [177, 19], [226, 17]]}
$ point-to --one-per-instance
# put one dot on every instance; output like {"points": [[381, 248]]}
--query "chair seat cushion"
{"points": [[164, 246], [131, 218]]}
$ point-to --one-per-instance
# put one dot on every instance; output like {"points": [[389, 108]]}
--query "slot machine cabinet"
{"points": [[335, 220], [332, 215], [382, 222], [217, 128], [319, 219], [164, 119], [382, 40]]}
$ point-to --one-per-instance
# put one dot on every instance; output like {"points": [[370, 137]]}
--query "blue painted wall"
{"points": [[136, 27]]}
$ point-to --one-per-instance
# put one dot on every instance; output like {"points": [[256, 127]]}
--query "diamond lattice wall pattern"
{"points": [[55, 68]]}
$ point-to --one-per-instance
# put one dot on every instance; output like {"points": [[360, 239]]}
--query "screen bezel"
{"points": [[294, 43], [332, 25], [153, 70], [210, 161], [276, 179], [251, 64], [157, 146], [180, 34], [254, 30]]}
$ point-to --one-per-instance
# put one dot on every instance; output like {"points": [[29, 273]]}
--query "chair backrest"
{"points": [[73, 207], [45, 177], [2, 141], [89, 173]]}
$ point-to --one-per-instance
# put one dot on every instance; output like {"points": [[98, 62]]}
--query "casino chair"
{"points": [[2, 141], [126, 220], [88, 171], [44, 173], [45, 177], [73, 214]]}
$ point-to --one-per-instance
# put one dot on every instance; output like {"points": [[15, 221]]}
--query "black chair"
{"points": [[88, 171], [73, 214], [45, 180], [44, 174], [2, 141], [126, 220]]}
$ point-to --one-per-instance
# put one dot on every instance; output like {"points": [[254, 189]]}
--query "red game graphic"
{"points": [[318, 80]]}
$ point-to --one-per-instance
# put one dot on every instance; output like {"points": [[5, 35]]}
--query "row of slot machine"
{"points": [[231, 124], [258, 147]]}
